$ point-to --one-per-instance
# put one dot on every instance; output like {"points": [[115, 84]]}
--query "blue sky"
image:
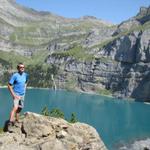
{"points": [[114, 11]]}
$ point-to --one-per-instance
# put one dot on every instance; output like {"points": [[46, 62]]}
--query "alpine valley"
{"points": [[85, 54]]}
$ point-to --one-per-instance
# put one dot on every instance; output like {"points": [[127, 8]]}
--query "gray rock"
{"points": [[144, 15], [143, 54], [142, 144], [126, 26], [39, 132]]}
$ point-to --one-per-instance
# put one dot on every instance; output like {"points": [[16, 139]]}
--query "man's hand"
{"points": [[17, 97]]}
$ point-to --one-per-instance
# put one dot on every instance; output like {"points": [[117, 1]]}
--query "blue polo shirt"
{"points": [[18, 81]]}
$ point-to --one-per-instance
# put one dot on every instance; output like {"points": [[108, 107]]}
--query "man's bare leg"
{"points": [[12, 114], [18, 113]]}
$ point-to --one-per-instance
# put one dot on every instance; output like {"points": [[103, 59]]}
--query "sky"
{"points": [[114, 11]]}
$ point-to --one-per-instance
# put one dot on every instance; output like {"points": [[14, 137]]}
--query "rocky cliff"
{"points": [[120, 65], [36, 132], [89, 54]]}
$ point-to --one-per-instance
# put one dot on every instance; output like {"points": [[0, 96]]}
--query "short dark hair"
{"points": [[19, 65]]}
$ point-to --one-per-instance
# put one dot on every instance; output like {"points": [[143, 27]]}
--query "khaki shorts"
{"points": [[19, 102]]}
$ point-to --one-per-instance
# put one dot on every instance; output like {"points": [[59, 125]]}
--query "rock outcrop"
{"points": [[36, 132], [141, 144]]}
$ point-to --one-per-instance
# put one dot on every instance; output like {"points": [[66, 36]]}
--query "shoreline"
{"points": [[29, 87], [76, 90], [86, 92]]}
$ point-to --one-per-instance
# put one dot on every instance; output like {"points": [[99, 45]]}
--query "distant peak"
{"points": [[89, 17], [92, 18], [143, 15], [144, 11]]}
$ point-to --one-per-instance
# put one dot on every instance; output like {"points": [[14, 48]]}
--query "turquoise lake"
{"points": [[117, 121]]}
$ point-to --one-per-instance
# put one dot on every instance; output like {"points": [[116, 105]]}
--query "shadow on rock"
{"points": [[6, 125]]}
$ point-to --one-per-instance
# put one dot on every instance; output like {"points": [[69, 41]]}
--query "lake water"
{"points": [[117, 121]]}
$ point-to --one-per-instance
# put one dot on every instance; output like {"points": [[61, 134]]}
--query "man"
{"points": [[17, 87]]}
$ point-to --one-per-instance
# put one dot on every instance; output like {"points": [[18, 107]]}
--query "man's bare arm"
{"points": [[10, 88]]}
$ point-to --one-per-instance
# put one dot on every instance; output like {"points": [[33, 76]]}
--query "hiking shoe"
{"points": [[10, 123]]}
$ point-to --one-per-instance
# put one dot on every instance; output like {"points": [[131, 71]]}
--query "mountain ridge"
{"points": [[30, 14]]}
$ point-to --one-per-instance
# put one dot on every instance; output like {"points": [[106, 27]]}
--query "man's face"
{"points": [[21, 68]]}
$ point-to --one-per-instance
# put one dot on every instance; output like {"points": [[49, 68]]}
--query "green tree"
{"points": [[39, 76], [45, 111], [57, 113], [73, 118]]}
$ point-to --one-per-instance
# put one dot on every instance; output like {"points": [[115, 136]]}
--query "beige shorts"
{"points": [[19, 102]]}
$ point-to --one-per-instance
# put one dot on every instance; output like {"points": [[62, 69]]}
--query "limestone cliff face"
{"points": [[132, 52], [38, 132], [121, 65]]}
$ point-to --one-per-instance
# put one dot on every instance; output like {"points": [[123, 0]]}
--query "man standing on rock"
{"points": [[17, 87]]}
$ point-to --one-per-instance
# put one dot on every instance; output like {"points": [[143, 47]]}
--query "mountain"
{"points": [[25, 30], [86, 54]]}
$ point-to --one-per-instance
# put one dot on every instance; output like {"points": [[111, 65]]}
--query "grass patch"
{"points": [[104, 92], [1, 130], [31, 35], [105, 60], [104, 43], [78, 52], [12, 58], [38, 57]]}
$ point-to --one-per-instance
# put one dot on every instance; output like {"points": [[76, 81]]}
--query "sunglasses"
{"points": [[21, 67]]}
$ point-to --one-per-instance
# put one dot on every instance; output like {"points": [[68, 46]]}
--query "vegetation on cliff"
{"points": [[57, 113]]}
